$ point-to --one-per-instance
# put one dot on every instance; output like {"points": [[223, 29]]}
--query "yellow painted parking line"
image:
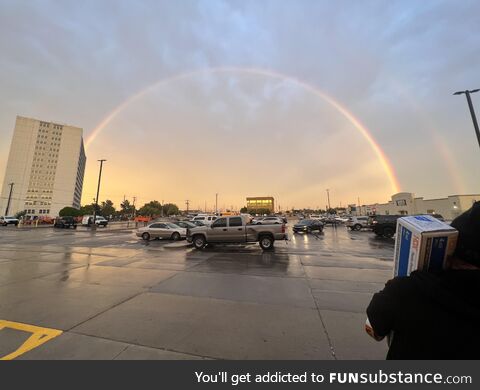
{"points": [[39, 336]]}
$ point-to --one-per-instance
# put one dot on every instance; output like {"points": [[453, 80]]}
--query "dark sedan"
{"points": [[308, 226]]}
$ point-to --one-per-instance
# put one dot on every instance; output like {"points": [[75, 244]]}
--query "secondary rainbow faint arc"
{"points": [[383, 159]]}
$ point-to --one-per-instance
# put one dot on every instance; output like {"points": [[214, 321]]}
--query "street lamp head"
{"points": [[474, 90], [459, 92]]}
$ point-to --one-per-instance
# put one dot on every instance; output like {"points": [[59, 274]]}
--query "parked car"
{"points": [[9, 221], [329, 220], [268, 221], [256, 220], [197, 223], [204, 218], [357, 223], [87, 220], [236, 229], [165, 230], [65, 223], [384, 225], [308, 226], [185, 224]]}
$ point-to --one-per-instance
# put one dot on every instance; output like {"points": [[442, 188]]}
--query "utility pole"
{"points": [[328, 199], [205, 209], [134, 210], [94, 226], [359, 207], [9, 198], [216, 203], [472, 111], [187, 202]]}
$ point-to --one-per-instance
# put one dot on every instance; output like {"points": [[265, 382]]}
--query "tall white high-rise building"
{"points": [[46, 165]]}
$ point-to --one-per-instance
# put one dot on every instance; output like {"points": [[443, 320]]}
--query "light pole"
{"points": [[9, 198], [216, 203], [328, 199], [472, 111], [94, 226]]}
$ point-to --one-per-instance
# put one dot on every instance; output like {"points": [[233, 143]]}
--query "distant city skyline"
{"points": [[253, 98]]}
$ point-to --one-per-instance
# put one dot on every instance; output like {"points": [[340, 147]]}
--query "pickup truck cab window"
{"points": [[235, 221], [221, 222]]}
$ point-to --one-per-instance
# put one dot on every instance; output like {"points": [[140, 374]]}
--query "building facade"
{"points": [[261, 205], [405, 203], [46, 165]]}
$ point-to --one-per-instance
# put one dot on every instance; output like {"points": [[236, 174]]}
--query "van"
{"points": [[205, 219]]}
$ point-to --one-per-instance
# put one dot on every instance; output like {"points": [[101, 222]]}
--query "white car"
{"points": [[268, 221], [8, 221], [357, 223], [165, 230], [205, 219]]}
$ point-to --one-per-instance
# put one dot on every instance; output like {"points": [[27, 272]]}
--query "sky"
{"points": [[251, 98]]}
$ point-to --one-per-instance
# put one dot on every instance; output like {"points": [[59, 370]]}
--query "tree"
{"points": [[126, 208], [107, 208], [20, 214], [88, 209], [170, 209], [151, 209], [243, 210], [69, 212]]}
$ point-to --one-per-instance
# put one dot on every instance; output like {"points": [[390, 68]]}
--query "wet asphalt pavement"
{"points": [[116, 297]]}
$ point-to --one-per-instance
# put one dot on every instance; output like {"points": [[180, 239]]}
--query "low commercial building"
{"points": [[260, 205], [405, 203]]}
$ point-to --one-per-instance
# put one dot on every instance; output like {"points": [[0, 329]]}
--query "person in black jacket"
{"points": [[435, 315]]}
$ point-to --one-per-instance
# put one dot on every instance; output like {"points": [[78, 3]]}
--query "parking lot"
{"points": [[110, 295]]}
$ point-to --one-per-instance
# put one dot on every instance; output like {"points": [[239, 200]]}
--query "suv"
{"points": [[65, 222], [357, 223], [8, 221], [384, 225]]}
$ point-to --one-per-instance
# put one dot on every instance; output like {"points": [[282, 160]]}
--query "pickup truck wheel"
{"points": [[266, 243], [388, 232], [176, 236], [146, 236], [357, 227], [199, 242]]}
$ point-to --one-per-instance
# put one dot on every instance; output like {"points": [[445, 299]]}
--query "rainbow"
{"points": [[382, 158]]}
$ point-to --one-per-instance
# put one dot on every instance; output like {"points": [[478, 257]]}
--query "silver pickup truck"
{"points": [[236, 229]]}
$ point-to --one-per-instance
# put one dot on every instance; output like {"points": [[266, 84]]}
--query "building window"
{"points": [[401, 202]]}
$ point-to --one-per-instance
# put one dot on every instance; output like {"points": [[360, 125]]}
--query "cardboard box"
{"points": [[423, 243]]}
